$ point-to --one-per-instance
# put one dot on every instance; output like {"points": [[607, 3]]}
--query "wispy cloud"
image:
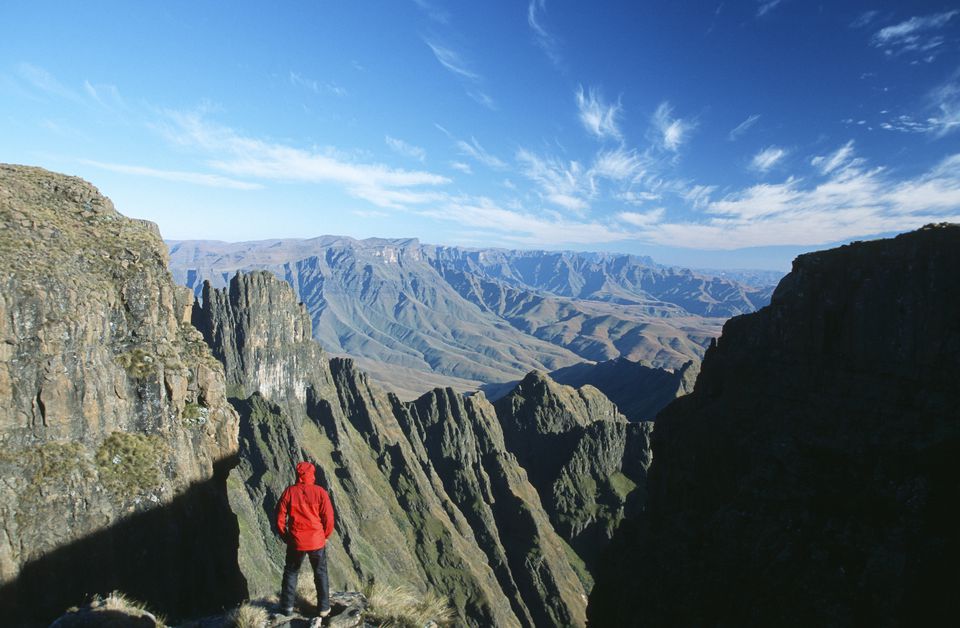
{"points": [[767, 158], [236, 154], [454, 63], [571, 186], [546, 40], [521, 227], [942, 112], [916, 34], [842, 158], [462, 167], [476, 151], [619, 164], [644, 219], [197, 178], [316, 86], [671, 132], [403, 148], [562, 184], [864, 19], [432, 11], [765, 6], [946, 100], [598, 116], [107, 96], [450, 59], [44, 81], [846, 201], [743, 127]]}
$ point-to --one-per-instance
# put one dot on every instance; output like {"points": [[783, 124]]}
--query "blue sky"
{"points": [[718, 134]]}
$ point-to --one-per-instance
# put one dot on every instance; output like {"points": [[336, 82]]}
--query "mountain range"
{"points": [[417, 316]]}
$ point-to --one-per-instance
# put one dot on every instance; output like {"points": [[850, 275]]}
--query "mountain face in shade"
{"points": [[811, 477], [417, 316], [587, 461], [638, 390], [427, 493], [115, 431]]}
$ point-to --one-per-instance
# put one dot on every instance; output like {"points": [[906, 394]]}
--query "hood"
{"points": [[306, 473]]}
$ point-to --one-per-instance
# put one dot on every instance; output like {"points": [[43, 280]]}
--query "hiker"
{"points": [[305, 522]]}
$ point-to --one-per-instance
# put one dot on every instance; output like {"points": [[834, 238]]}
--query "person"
{"points": [[305, 522]]}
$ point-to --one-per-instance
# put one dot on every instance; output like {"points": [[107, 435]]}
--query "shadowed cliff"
{"points": [[811, 477], [113, 413]]}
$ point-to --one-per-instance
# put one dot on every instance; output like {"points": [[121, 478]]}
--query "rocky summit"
{"points": [[114, 424], [811, 476]]}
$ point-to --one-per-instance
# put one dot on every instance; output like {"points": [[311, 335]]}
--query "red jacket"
{"points": [[308, 509]]}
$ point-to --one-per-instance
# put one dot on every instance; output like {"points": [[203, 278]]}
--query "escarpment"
{"points": [[587, 461], [426, 492], [114, 423], [811, 477]]}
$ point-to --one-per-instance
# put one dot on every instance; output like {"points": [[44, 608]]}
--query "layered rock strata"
{"points": [[113, 413]]}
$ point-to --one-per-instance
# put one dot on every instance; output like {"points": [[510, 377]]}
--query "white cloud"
{"points": [[106, 95], [41, 80], [564, 184], [767, 158], [476, 151], [598, 117], [316, 86], [851, 202], [546, 40], [914, 34], [671, 132], [431, 11], [841, 158], [209, 180], [237, 154], [765, 6], [524, 228], [644, 219], [946, 100], [451, 60], [743, 127], [636, 198], [864, 19], [462, 167], [619, 164], [402, 148], [483, 98]]}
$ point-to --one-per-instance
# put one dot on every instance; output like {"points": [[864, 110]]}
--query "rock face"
{"points": [[114, 423], [811, 477], [417, 316], [588, 463], [639, 391], [426, 493]]}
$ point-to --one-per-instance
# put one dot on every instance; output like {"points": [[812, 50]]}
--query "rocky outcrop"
{"points": [[586, 460], [425, 492], [811, 477], [113, 414], [639, 391]]}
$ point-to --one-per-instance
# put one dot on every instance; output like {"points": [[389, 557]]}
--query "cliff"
{"points": [[426, 493], [114, 423], [811, 477], [586, 460]]}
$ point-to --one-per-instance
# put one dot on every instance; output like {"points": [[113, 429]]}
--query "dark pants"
{"points": [[291, 569]]}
